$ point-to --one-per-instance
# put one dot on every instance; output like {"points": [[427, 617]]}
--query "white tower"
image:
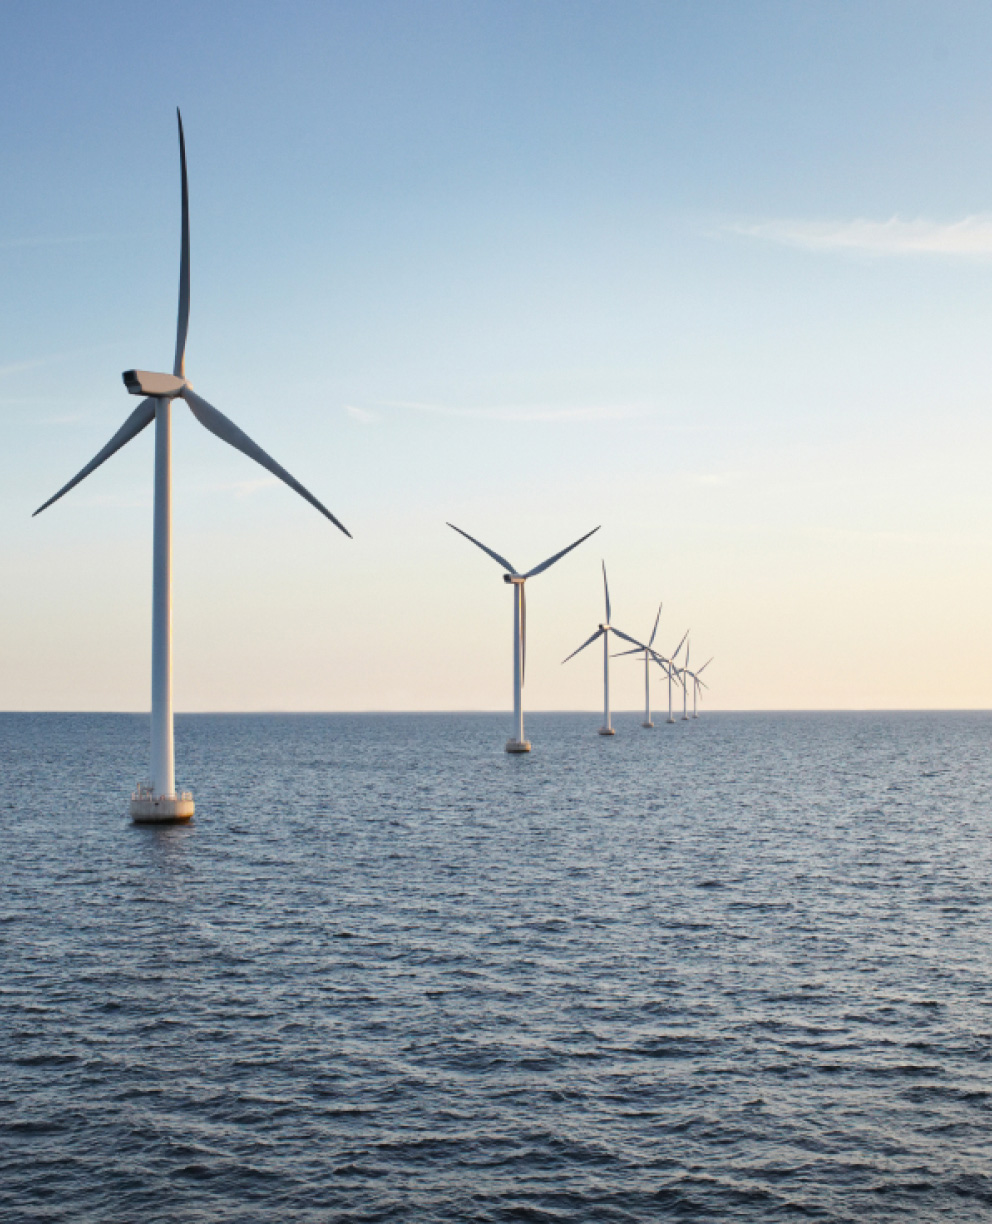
{"points": [[604, 632], [517, 743]]}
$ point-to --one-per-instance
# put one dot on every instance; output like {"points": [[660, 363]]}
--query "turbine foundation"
{"points": [[607, 731], [149, 808], [514, 745], [647, 724]]}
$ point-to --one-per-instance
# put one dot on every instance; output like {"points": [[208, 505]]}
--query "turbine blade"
{"points": [[523, 633], [706, 664], [675, 652], [655, 629], [598, 633], [627, 638], [182, 324], [478, 543], [620, 653], [539, 569], [606, 591], [143, 415], [228, 432]]}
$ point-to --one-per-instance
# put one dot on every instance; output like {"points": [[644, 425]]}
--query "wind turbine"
{"points": [[685, 687], [517, 580], [675, 670], [651, 656], [159, 801], [697, 684], [604, 632]]}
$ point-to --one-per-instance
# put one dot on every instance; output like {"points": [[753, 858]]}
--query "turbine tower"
{"points": [[159, 801], [604, 632], [517, 743]]}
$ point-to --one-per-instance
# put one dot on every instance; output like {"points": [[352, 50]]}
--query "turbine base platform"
{"points": [[671, 721], [148, 808], [513, 745], [649, 725], [606, 731]]}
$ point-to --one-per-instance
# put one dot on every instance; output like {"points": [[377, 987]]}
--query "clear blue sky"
{"points": [[715, 275]]}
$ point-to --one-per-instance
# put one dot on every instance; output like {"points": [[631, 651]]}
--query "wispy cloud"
{"points": [[525, 412], [970, 237], [709, 479], [363, 415]]}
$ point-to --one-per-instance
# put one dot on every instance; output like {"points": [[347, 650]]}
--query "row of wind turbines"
{"points": [[677, 674], [159, 801]]}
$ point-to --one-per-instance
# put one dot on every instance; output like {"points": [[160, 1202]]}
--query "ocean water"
{"points": [[733, 969]]}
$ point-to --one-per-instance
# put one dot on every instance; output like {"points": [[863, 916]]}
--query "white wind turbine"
{"points": [[517, 580], [651, 656], [697, 684], [673, 672], [604, 632], [685, 673], [159, 801]]}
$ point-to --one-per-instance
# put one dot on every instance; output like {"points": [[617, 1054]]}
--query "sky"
{"points": [[716, 277]]}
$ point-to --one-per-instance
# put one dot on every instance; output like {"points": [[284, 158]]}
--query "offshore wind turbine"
{"points": [[159, 801], [517, 580], [673, 668], [685, 687], [604, 632], [649, 657], [697, 684]]}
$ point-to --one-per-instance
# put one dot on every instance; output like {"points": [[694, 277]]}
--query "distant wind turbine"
{"points": [[651, 656], [685, 673], [697, 684], [159, 801], [517, 581], [671, 668], [604, 632]]}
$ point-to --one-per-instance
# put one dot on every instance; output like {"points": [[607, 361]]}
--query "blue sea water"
{"points": [[733, 969]]}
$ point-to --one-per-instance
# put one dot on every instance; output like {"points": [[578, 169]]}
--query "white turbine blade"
{"points": [[228, 432], [655, 629], [143, 415], [182, 323], [675, 652], [627, 638], [619, 654], [598, 633], [478, 543], [706, 664], [523, 633], [606, 592], [539, 569]]}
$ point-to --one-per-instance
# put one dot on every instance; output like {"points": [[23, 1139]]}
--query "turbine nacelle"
{"points": [[158, 386], [513, 580]]}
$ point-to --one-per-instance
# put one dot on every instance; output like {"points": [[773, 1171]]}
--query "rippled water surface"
{"points": [[733, 969]]}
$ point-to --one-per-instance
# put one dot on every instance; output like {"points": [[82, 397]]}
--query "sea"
{"points": [[734, 969]]}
